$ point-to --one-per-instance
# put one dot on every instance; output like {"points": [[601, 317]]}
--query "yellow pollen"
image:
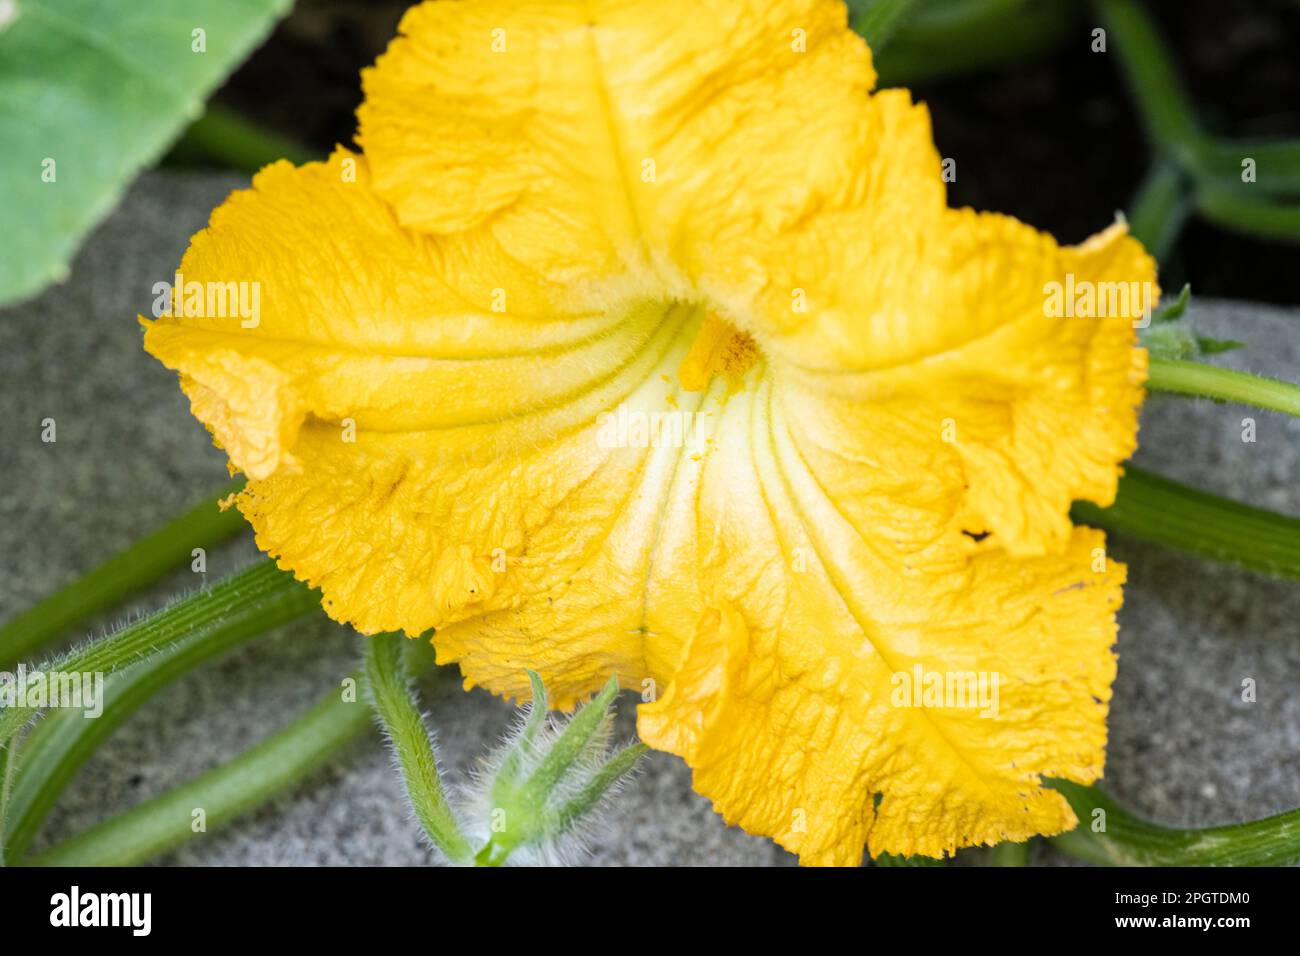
{"points": [[719, 349]]}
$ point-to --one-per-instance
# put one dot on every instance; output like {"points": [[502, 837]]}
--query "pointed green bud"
{"points": [[550, 781]]}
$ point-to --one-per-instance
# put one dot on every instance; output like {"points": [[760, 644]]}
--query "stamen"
{"points": [[719, 349]]}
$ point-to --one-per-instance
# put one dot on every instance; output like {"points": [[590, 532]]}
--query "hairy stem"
{"points": [[201, 610], [234, 788], [8, 767], [61, 743], [203, 526], [396, 708], [1197, 379]]}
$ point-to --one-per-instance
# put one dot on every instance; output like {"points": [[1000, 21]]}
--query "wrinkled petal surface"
{"points": [[646, 344]]}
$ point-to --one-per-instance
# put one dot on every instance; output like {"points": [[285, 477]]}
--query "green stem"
{"points": [[390, 689], [1168, 114], [1232, 207], [973, 34], [1277, 163], [61, 743], [8, 765], [1011, 854], [144, 562], [1129, 841], [227, 137], [1160, 209], [1157, 509], [890, 859], [234, 788], [201, 610], [1197, 379], [1152, 79]]}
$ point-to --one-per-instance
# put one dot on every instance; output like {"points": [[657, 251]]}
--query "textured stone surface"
{"points": [[1185, 749]]}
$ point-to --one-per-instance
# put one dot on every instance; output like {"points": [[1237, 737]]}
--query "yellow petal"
{"points": [[357, 315], [620, 138], [793, 731], [785, 709], [734, 157], [420, 457], [760, 425]]}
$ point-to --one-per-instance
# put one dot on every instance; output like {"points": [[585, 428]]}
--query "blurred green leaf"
{"points": [[1169, 337], [877, 20], [1173, 311], [90, 93], [226, 137], [945, 38], [1209, 346]]}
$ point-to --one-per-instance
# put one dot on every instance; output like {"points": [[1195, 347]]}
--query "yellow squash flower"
{"points": [[641, 340]]}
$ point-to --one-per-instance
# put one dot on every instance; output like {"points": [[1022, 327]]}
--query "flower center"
{"points": [[719, 349]]}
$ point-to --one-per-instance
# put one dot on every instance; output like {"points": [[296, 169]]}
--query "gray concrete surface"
{"points": [[1185, 750]]}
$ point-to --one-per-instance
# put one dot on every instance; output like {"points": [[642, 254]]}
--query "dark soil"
{"points": [[1054, 141]]}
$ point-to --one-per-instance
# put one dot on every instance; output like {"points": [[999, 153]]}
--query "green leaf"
{"points": [[507, 776], [1174, 310], [568, 774], [572, 743], [1169, 338], [1277, 163], [226, 137], [1235, 207], [91, 92], [877, 20], [1175, 341], [1170, 341], [1166, 109], [1208, 346]]}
